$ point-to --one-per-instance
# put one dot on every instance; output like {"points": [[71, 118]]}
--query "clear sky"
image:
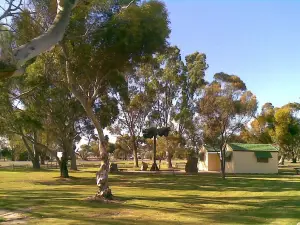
{"points": [[258, 40]]}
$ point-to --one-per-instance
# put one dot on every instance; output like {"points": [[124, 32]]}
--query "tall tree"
{"points": [[111, 40], [167, 85], [16, 119], [192, 83], [286, 131], [110, 50], [225, 107], [133, 114]]}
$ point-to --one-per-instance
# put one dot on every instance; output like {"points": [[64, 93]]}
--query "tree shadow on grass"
{"points": [[206, 182], [65, 199], [58, 204]]}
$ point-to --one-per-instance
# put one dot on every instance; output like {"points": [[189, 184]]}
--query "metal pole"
{"points": [[154, 149]]}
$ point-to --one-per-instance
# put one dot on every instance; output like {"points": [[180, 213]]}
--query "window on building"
{"points": [[263, 160], [263, 157]]}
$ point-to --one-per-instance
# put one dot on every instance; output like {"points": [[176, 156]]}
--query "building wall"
{"points": [[213, 162], [246, 162]]}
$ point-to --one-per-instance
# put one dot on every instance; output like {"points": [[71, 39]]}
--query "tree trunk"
{"points": [[222, 159], [154, 166], [36, 153], [281, 161], [169, 159], [32, 156], [294, 160], [102, 175], [136, 161], [13, 158], [63, 166], [36, 161], [73, 160]]}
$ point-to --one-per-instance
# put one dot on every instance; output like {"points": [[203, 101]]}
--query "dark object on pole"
{"points": [[152, 132]]}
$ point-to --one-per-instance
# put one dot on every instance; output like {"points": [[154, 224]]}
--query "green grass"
{"points": [[152, 198], [2, 219]]}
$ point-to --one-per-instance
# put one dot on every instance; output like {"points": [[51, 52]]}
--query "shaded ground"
{"points": [[157, 199]]}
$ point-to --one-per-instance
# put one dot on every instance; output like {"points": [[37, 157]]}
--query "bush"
{"points": [[23, 156], [6, 153]]}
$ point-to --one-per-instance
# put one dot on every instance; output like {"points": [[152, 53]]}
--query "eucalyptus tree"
{"points": [[167, 85], [178, 88], [110, 37], [192, 85], [286, 130], [111, 48], [260, 127], [15, 120], [225, 107], [134, 113]]}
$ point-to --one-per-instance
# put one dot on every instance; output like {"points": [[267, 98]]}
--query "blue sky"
{"points": [[256, 40]]}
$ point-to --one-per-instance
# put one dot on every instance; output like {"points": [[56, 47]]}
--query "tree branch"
{"points": [[45, 41], [11, 9], [130, 3]]}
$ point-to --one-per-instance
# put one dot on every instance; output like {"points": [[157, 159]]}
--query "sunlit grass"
{"points": [[152, 198]]}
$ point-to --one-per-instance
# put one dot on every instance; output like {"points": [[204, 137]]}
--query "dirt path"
{"points": [[12, 218]]}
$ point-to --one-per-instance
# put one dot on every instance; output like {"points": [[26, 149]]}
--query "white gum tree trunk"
{"points": [[42, 43]]}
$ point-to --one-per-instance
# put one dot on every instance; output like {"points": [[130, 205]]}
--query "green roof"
{"points": [[210, 149], [253, 147], [263, 155]]}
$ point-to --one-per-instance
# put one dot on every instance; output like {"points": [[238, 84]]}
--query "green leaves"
{"points": [[225, 109], [232, 80]]}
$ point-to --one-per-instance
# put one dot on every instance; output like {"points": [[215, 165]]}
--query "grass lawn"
{"points": [[152, 198]]}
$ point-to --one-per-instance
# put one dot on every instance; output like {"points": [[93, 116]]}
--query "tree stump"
{"points": [[113, 168], [192, 165], [144, 166]]}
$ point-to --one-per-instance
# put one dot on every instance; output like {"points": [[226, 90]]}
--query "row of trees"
{"points": [[112, 68], [77, 84]]}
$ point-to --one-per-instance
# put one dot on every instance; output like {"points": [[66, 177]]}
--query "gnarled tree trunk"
{"points": [[102, 175], [281, 161]]}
